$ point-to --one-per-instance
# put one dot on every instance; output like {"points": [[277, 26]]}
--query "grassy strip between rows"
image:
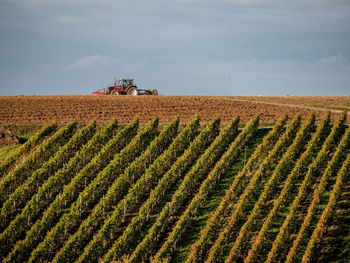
{"points": [[188, 185], [11, 181], [76, 243], [207, 186], [282, 241], [16, 156], [13, 205], [210, 230], [216, 251], [63, 188], [240, 247], [298, 171], [296, 252], [91, 194]]}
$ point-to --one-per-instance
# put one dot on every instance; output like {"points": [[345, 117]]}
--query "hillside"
{"points": [[181, 192]]}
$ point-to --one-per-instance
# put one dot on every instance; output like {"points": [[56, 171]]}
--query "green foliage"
{"points": [[339, 156], [299, 169], [49, 191], [310, 254], [263, 172], [25, 192], [282, 241], [208, 184], [92, 193], [159, 195], [140, 190], [18, 176], [73, 247], [211, 229]]}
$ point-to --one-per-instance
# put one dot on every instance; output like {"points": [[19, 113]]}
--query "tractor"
{"points": [[125, 87]]}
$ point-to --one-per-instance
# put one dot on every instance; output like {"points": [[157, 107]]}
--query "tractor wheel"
{"points": [[133, 91], [115, 92]]}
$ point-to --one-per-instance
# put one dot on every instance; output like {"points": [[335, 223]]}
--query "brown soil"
{"points": [[85, 108], [7, 137]]}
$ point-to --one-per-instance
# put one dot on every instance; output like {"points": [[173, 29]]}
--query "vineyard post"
{"points": [[168, 211], [59, 201], [147, 209], [79, 205], [124, 209], [103, 207]]}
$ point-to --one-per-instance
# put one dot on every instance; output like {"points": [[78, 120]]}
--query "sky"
{"points": [[180, 47]]}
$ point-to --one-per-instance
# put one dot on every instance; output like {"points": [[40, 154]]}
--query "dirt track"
{"points": [[331, 102], [84, 108]]}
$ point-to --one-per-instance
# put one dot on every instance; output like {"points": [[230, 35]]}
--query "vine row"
{"points": [[75, 244], [300, 169], [77, 174], [270, 192], [279, 245], [18, 176], [189, 184], [211, 228], [92, 193], [296, 252], [310, 253], [267, 165], [207, 186], [176, 170], [19, 155], [12, 206]]}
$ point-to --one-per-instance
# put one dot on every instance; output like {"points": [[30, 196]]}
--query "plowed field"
{"points": [[84, 108]]}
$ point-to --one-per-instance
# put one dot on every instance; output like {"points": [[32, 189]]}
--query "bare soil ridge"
{"points": [[7, 137]]}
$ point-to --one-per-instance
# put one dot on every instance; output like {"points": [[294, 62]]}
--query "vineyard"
{"points": [[179, 192]]}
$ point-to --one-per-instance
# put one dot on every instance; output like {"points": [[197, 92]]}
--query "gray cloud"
{"points": [[180, 47]]}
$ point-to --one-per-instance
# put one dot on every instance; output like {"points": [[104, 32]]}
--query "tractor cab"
{"points": [[124, 83]]}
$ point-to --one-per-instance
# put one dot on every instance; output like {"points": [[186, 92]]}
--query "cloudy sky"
{"points": [[180, 47]]}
